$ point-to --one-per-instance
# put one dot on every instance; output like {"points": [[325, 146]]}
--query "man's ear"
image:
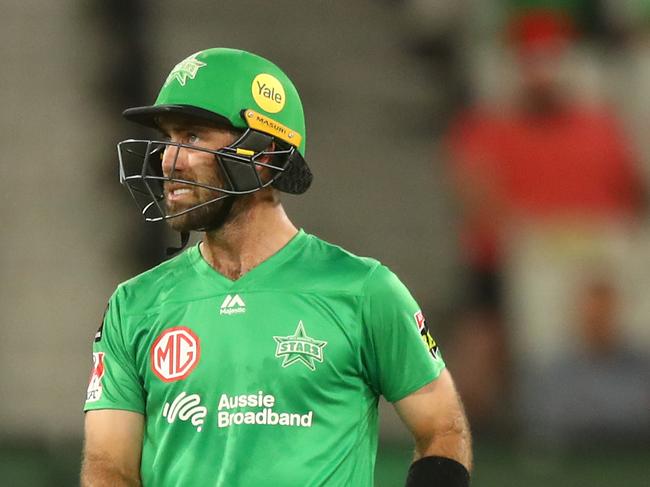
{"points": [[266, 158]]}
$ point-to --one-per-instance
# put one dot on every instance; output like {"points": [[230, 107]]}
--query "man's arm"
{"points": [[112, 448], [436, 419]]}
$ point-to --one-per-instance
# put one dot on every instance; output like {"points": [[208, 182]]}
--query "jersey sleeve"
{"points": [[114, 381], [397, 351]]}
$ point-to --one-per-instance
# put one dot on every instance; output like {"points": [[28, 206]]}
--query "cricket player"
{"points": [[258, 356]]}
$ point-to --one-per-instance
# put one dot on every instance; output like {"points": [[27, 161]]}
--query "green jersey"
{"points": [[271, 379]]}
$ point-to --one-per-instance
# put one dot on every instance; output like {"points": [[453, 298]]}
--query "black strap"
{"points": [[437, 472], [185, 237]]}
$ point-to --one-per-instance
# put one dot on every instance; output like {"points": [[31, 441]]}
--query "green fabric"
{"points": [[585, 14], [570, 6], [308, 340], [225, 81]]}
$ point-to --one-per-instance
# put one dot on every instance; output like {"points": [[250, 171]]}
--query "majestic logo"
{"points": [[268, 93], [299, 348], [175, 353], [185, 408], [187, 68], [233, 305], [94, 392], [424, 333]]}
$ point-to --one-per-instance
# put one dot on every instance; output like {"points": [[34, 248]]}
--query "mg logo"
{"points": [[175, 353]]}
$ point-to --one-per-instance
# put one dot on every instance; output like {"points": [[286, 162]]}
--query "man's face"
{"points": [[195, 166], [541, 74]]}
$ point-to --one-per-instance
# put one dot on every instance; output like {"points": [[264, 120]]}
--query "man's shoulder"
{"points": [[331, 263], [336, 254], [360, 275], [162, 272], [151, 285]]}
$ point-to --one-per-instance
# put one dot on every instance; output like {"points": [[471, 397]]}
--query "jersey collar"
{"points": [[267, 267]]}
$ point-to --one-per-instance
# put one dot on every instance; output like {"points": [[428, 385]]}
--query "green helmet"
{"points": [[244, 91]]}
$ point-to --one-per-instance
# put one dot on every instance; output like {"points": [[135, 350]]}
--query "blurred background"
{"points": [[493, 153]]}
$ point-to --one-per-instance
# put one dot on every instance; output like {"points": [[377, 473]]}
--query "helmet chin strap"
{"points": [[185, 237]]}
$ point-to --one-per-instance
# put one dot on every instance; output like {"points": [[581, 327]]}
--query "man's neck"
{"points": [[254, 234]]}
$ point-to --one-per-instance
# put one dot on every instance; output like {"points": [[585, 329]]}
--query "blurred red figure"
{"points": [[542, 158]]}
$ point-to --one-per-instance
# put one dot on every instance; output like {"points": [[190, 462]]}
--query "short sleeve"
{"points": [[114, 381], [398, 353]]}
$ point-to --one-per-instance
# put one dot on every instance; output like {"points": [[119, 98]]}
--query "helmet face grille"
{"points": [[239, 164]]}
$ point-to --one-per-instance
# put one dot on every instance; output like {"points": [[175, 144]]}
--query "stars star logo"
{"points": [[187, 68], [299, 348]]}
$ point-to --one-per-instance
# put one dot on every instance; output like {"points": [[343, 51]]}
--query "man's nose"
{"points": [[174, 159]]}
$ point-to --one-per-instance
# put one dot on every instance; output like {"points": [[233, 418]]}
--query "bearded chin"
{"points": [[206, 218]]}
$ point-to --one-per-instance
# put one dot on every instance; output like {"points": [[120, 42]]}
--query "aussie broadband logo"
{"points": [[175, 353], [299, 348], [186, 408], [257, 409]]}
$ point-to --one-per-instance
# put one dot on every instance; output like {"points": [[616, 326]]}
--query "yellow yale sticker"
{"points": [[268, 93]]}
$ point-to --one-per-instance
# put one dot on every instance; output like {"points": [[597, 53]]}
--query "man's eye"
{"points": [[192, 139]]}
